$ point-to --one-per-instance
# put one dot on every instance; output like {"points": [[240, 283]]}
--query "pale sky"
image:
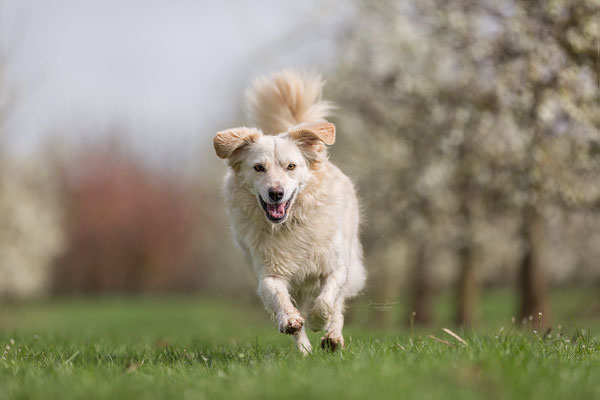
{"points": [[172, 72]]}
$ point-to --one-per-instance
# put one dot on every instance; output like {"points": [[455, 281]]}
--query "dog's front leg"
{"points": [[275, 295]]}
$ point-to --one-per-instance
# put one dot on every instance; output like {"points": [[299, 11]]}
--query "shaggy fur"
{"points": [[294, 214]]}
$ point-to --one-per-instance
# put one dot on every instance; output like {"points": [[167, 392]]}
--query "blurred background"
{"points": [[471, 129]]}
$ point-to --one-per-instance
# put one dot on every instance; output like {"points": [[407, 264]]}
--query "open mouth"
{"points": [[276, 212]]}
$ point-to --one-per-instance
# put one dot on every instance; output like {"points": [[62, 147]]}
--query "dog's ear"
{"points": [[314, 138], [228, 141]]}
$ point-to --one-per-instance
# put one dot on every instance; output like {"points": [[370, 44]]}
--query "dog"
{"points": [[293, 213]]}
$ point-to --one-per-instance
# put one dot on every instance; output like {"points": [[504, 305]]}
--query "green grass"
{"points": [[189, 348]]}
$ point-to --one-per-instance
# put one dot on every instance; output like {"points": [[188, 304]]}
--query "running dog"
{"points": [[294, 214]]}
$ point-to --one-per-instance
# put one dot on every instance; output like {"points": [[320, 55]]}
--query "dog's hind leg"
{"points": [[333, 338], [302, 341], [323, 307]]}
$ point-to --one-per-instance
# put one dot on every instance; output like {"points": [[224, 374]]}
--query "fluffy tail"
{"points": [[284, 99]]}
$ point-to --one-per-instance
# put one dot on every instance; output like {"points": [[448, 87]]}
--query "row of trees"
{"points": [[472, 114], [97, 218]]}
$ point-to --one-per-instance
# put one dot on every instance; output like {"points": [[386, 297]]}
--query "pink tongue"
{"points": [[276, 210]]}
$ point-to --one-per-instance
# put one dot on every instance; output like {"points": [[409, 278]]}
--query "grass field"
{"points": [[190, 348]]}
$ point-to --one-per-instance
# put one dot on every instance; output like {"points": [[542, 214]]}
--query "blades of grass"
{"points": [[441, 341], [455, 336], [68, 360]]}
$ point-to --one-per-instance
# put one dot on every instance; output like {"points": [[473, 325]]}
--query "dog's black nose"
{"points": [[276, 193]]}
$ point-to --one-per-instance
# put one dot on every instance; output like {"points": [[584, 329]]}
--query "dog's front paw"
{"points": [[291, 324], [319, 315], [332, 342]]}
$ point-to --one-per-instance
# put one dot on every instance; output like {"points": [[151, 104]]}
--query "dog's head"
{"points": [[275, 168]]}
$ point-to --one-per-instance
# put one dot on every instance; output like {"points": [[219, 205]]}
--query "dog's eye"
{"points": [[291, 167], [259, 168]]}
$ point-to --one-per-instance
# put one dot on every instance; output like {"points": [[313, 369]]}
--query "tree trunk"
{"points": [[467, 295], [467, 288], [422, 287], [534, 296]]}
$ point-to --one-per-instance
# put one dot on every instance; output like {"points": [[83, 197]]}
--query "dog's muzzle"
{"points": [[276, 212]]}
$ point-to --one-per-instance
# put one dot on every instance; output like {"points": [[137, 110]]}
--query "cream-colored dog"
{"points": [[294, 214]]}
